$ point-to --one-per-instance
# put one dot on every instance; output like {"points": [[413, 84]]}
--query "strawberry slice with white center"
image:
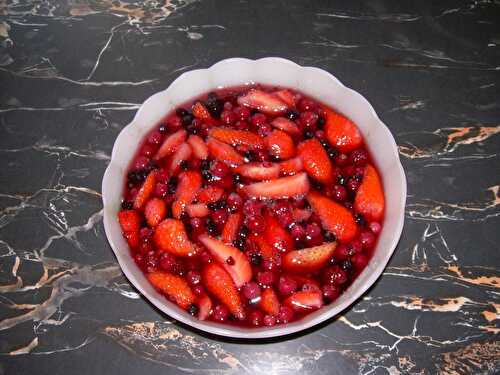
{"points": [[236, 137], [310, 259], [232, 260], [286, 125], [284, 187], [204, 307], [170, 144], [305, 301], [259, 171], [189, 184], [197, 210], [263, 101], [224, 152], [200, 149], [286, 96], [181, 154]]}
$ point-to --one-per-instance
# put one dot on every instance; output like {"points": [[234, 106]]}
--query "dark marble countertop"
{"points": [[72, 75]]}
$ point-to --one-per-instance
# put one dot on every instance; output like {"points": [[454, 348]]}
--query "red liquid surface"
{"points": [[269, 227]]}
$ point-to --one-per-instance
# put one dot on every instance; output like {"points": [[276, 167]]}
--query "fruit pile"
{"points": [[252, 206]]}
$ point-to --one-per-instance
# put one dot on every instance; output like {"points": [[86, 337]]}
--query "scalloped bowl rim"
{"points": [[147, 117]]}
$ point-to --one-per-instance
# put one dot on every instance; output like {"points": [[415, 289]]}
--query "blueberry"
{"points": [[346, 265], [181, 112], [308, 134], [207, 175], [274, 158], [332, 153], [329, 236], [292, 115], [250, 155], [127, 205], [211, 227], [193, 309], [184, 165], [359, 219], [205, 164], [244, 231], [172, 185], [321, 122], [187, 119], [239, 243], [236, 178], [162, 129], [341, 180], [256, 259]]}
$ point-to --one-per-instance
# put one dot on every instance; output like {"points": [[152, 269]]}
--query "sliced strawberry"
{"points": [[189, 184], [275, 235], [263, 101], [284, 187], [130, 220], [221, 285], [198, 146], [269, 302], [204, 307], [301, 214], [232, 227], [170, 235], [266, 250], [316, 161], [234, 261], [197, 210], [171, 143], [291, 166], [155, 211], [286, 125], [175, 287], [201, 113], [341, 132], [145, 191], [369, 199], [210, 194], [305, 301], [132, 239], [224, 152], [334, 217], [182, 153], [259, 171], [310, 259], [280, 144], [286, 96], [236, 137]]}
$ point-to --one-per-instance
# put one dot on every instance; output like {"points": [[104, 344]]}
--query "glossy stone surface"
{"points": [[73, 74]]}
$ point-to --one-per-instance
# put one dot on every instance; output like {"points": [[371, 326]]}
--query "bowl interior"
{"points": [[314, 82]]}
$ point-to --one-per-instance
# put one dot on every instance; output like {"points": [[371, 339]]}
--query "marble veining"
{"points": [[73, 74]]}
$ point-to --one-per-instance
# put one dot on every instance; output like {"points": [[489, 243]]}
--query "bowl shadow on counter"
{"points": [[263, 341]]}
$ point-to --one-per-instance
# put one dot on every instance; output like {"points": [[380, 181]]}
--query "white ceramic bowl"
{"points": [[314, 82]]}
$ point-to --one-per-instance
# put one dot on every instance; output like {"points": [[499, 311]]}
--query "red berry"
{"points": [[269, 320], [221, 313], [286, 285], [375, 227], [241, 125], [330, 292], [313, 235], [167, 262], [198, 290], [148, 150], [341, 160], [255, 318], [266, 278], [285, 315], [258, 119], [298, 233], [193, 278], [155, 138], [320, 134], [234, 202], [219, 216], [252, 207], [339, 193], [256, 224], [264, 130], [358, 157], [141, 162], [219, 169], [228, 117], [352, 184], [241, 113], [306, 105], [355, 247], [367, 239], [359, 261], [334, 275], [308, 119], [251, 291], [161, 190], [205, 257]]}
